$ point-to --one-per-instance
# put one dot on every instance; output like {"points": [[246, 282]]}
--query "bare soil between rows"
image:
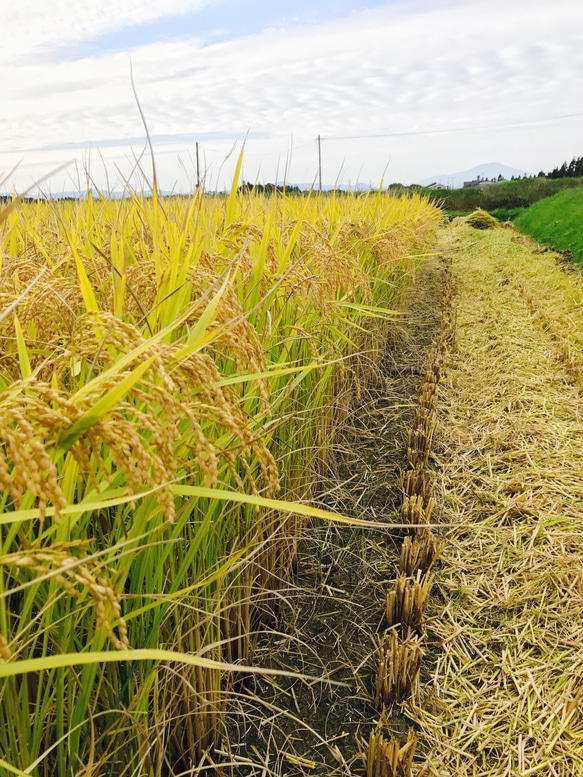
{"points": [[331, 620]]}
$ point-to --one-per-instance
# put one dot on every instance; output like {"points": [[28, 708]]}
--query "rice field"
{"points": [[173, 373]]}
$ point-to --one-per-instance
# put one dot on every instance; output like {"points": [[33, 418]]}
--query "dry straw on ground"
{"points": [[505, 697]]}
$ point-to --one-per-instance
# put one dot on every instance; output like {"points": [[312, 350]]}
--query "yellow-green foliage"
{"points": [[166, 367], [481, 219]]}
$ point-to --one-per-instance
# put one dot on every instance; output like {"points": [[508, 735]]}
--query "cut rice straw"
{"points": [[505, 697]]}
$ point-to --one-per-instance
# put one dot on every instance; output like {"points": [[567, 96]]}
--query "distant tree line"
{"points": [[4, 198], [573, 169], [268, 188], [485, 179]]}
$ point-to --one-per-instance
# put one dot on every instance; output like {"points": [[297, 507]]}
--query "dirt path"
{"points": [[505, 696]]}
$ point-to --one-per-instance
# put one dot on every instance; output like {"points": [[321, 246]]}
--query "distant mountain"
{"points": [[489, 170]]}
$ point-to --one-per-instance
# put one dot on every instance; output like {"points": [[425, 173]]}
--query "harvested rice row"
{"points": [[402, 646], [506, 693], [555, 295]]}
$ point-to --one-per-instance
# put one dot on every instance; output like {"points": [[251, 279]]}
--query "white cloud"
{"points": [[391, 70], [27, 24]]}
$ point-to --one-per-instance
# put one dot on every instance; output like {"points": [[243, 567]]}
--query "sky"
{"points": [[397, 91]]}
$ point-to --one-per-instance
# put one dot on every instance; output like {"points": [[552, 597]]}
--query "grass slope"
{"points": [[556, 222], [506, 194]]}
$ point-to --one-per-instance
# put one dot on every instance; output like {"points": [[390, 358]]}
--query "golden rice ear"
{"points": [[75, 573], [5, 652]]}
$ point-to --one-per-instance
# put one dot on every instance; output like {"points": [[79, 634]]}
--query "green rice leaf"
{"points": [[22, 350], [13, 769], [13, 668], [279, 504], [232, 201]]}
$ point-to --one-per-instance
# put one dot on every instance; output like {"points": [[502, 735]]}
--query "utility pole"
{"points": [[197, 170], [320, 162]]}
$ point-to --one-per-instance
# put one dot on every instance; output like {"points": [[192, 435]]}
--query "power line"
{"points": [[249, 154], [454, 129]]}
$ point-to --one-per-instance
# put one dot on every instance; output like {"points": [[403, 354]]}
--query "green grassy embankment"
{"points": [[506, 195], [557, 222]]}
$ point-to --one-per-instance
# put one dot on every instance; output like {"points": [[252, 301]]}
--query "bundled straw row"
{"points": [[407, 601], [401, 647], [399, 663]]}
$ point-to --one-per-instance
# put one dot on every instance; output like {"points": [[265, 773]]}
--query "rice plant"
{"points": [[173, 373]]}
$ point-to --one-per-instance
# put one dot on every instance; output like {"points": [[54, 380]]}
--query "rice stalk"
{"points": [[387, 757], [407, 601], [419, 552], [398, 664], [164, 343]]}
